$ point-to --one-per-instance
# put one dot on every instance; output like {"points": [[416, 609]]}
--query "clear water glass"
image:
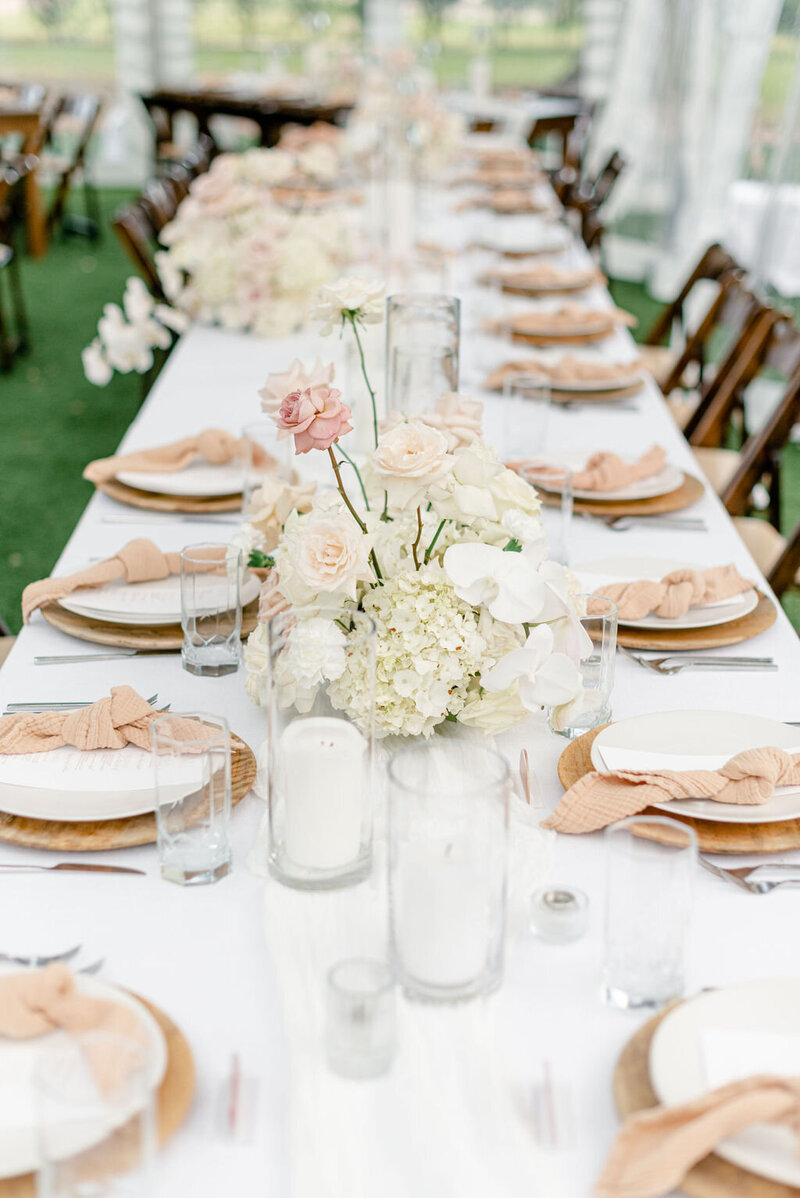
{"points": [[95, 1116], [526, 415], [361, 1018], [211, 608], [592, 708], [422, 349], [555, 487], [192, 764], [650, 868], [264, 435], [448, 833]]}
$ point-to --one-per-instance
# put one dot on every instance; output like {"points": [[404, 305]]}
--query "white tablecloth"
{"points": [[200, 953]]}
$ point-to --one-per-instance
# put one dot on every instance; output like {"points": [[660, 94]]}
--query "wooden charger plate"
{"points": [[561, 338], [690, 490], [89, 836], [712, 837], [558, 396], [175, 1096], [130, 636], [712, 1177], [154, 501], [762, 617]]}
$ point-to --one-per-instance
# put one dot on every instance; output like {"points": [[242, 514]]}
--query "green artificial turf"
{"points": [[52, 422]]}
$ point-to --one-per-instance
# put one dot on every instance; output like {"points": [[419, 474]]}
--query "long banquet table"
{"points": [[201, 953]]}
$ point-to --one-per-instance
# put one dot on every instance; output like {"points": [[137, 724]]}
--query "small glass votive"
{"points": [[192, 765], [262, 454], [526, 415], [559, 914], [95, 1116], [592, 707], [211, 609], [422, 349], [361, 1018], [650, 867], [555, 487]]}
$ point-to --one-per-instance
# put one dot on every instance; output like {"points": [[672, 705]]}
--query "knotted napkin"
{"points": [[138, 561], [214, 444], [40, 1001], [567, 370], [545, 275], [123, 718], [675, 593], [598, 799], [656, 1148], [570, 318]]}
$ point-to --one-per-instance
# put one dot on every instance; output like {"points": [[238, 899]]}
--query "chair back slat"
{"points": [[715, 262], [137, 234], [760, 450]]}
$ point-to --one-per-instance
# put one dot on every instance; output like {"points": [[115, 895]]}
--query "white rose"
{"points": [[494, 713], [366, 300], [326, 553], [409, 458], [522, 527], [511, 491]]}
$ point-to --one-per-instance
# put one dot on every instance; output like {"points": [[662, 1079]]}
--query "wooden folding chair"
{"points": [[785, 573], [198, 159], [134, 228], [760, 456], [14, 338], [80, 113]]}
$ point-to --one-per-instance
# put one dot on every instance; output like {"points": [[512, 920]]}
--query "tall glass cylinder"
{"points": [[448, 827], [422, 350], [321, 707]]}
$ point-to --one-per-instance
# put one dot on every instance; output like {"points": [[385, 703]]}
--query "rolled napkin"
{"points": [[138, 561], [121, 719], [40, 1001], [655, 1149], [568, 369], [214, 444], [601, 798], [675, 593]]}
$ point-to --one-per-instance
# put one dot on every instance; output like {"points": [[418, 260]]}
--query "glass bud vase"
{"points": [[320, 760], [448, 829]]}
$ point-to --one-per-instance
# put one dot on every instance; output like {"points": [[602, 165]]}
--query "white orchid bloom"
{"points": [[509, 585], [95, 364], [546, 678], [171, 318], [137, 301], [169, 273]]}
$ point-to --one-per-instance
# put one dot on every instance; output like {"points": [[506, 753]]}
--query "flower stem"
{"points": [[429, 550], [348, 459], [419, 537], [343, 493], [351, 317]]}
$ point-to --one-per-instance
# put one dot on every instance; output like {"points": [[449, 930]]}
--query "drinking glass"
{"points": [[320, 771], [211, 609], [422, 349], [650, 867], [264, 434], [526, 415], [593, 707], [448, 829], [554, 484], [360, 1018], [95, 1102], [192, 763]]}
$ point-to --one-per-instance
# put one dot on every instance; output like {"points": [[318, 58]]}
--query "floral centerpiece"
{"points": [[440, 544]]}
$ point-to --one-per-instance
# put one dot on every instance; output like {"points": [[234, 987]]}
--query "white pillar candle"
{"points": [[323, 789], [441, 911]]}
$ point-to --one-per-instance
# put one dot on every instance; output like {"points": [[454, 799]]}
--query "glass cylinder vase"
{"points": [[448, 828], [321, 707], [422, 350]]}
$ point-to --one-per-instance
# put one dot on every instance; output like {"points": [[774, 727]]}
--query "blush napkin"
{"points": [[599, 799], [603, 471], [216, 445], [675, 593]]}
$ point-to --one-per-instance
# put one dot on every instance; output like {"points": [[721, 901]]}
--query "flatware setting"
{"points": [[679, 662], [77, 658], [624, 523], [782, 874], [34, 708], [77, 867]]}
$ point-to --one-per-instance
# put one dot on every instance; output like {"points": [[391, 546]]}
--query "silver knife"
{"points": [[75, 658], [71, 866]]}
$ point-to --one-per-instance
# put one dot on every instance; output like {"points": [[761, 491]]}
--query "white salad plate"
{"points": [[667, 480], [201, 480], [148, 603]]}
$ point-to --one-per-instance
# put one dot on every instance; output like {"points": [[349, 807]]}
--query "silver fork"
{"points": [[8, 959], [34, 708], [743, 877], [624, 523], [676, 664]]}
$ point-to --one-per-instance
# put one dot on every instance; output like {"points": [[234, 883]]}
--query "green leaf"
{"points": [[513, 546], [258, 560]]}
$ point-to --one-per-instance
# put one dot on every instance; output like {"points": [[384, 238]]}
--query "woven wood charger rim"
{"points": [[89, 836], [762, 617], [175, 1095], [561, 338], [155, 501], [559, 395], [130, 636], [533, 292], [576, 761], [690, 490], [713, 1177]]}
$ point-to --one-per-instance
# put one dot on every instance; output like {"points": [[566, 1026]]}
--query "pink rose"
{"points": [[315, 417]]}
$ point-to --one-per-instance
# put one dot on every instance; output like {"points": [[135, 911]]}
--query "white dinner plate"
{"points": [[200, 479], [605, 325], [150, 603], [18, 1140], [73, 786], [701, 740], [667, 480], [751, 1018], [604, 384], [534, 288], [597, 574], [554, 244]]}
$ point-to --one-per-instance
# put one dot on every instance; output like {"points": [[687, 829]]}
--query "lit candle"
{"points": [[441, 914], [323, 787]]}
